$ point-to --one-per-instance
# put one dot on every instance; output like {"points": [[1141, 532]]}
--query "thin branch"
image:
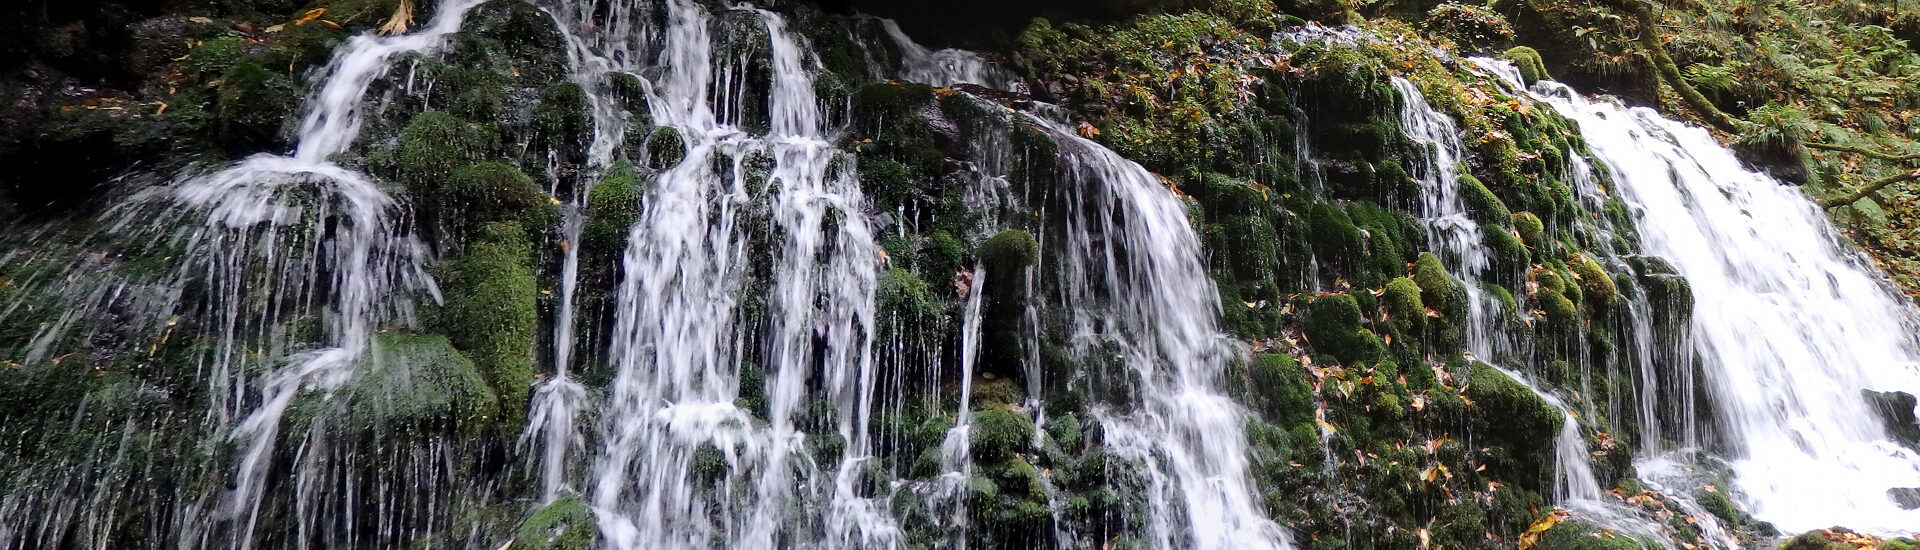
{"points": [[1870, 189], [1882, 155]]}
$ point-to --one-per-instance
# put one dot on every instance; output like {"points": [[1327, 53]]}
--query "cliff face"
{"points": [[679, 274]]}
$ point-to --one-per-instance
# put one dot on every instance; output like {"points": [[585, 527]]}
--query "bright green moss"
{"points": [[944, 254], [1282, 394], [492, 312], [566, 524], [1509, 255], [887, 181], [904, 296], [1514, 418], [1000, 434], [1252, 246], [1532, 231], [613, 205], [1597, 285], [1405, 312], [1333, 235], [417, 381], [1577, 535], [561, 121], [665, 148], [1482, 205], [1332, 325], [1436, 286], [490, 192], [432, 146], [1066, 431], [992, 391], [1528, 61], [1009, 252], [1561, 313]]}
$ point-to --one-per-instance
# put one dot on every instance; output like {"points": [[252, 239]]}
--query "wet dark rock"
{"points": [[1895, 409], [1907, 497]]}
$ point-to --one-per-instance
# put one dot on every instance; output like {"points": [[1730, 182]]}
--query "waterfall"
{"points": [[288, 226], [1789, 323], [1459, 238], [1133, 278], [679, 341], [946, 66]]}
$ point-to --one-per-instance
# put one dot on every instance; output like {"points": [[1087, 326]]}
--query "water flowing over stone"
{"points": [[946, 66], [1790, 323], [1140, 293]]}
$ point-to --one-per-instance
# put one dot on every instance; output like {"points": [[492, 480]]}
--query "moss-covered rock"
{"points": [[1333, 235], [418, 381], [612, 207], [665, 148], [492, 312], [496, 192], [253, 103], [1436, 286], [1000, 434], [1333, 325], [1580, 535], [1532, 69], [1840, 538], [435, 144], [1281, 392], [1509, 255], [943, 254], [1532, 231], [1596, 285], [1009, 252], [1562, 314], [565, 524], [1406, 314], [1515, 420], [561, 121], [1482, 205], [904, 296]]}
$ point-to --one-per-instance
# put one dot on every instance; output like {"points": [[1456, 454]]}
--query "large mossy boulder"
{"points": [[1436, 286], [1333, 235], [1581, 535], [1000, 434], [613, 205], [1841, 538], [1596, 284], [1482, 205], [1333, 326], [1010, 252], [435, 144], [1406, 313], [1532, 68], [492, 312], [496, 192], [564, 524], [1281, 392], [416, 380], [1518, 423]]}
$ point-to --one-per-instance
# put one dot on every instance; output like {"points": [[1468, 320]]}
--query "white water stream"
{"points": [[1789, 322]]}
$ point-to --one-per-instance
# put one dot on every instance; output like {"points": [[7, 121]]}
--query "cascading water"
{"points": [[1452, 230], [946, 66], [1790, 324], [1138, 290], [676, 339]]}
